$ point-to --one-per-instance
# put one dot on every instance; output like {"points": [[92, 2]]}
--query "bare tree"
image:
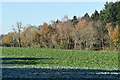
{"points": [[17, 31], [27, 34]]}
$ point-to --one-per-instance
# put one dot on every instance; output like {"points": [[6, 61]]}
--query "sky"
{"points": [[37, 13]]}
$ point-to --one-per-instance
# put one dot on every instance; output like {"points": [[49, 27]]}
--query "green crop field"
{"points": [[56, 58]]}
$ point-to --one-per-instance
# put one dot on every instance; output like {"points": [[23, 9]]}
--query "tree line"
{"points": [[100, 31]]}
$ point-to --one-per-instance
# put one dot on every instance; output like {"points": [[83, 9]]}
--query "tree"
{"points": [[118, 13], [27, 35], [43, 36], [111, 14], [74, 21], [64, 30], [57, 21], [86, 17], [116, 37], [94, 32], [86, 35], [1, 37], [9, 40], [110, 17], [17, 32], [55, 40], [95, 16]]}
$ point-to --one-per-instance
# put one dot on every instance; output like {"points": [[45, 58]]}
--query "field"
{"points": [[56, 58]]}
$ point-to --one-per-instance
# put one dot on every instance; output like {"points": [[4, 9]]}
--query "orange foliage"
{"points": [[8, 39]]}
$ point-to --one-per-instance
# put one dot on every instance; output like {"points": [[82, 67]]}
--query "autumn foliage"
{"points": [[115, 35], [95, 32]]}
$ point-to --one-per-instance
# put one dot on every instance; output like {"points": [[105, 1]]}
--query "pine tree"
{"points": [[74, 21], [95, 16]]}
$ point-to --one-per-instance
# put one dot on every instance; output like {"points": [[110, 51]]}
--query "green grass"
{"points": [[59, 58]]}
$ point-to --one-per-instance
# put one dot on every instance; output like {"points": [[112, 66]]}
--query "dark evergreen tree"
{"points": [[86, 17], [118, 13], [74, 21], [95, 16], [111, 14]]}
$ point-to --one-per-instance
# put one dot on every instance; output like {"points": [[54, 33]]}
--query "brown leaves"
{"points": [[9, 39]]}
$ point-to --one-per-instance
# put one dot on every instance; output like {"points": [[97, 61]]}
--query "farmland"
{"points": [[58, 58]]}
